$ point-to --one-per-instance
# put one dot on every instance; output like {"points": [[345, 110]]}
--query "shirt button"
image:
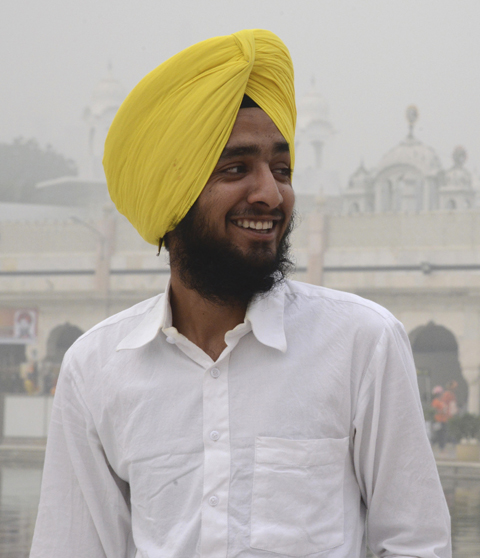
{"points": [[213, 501], [214, 435], [171, 340], [215, 372]]}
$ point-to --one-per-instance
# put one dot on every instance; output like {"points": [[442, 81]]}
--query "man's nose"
{"points": [[265, 189]]}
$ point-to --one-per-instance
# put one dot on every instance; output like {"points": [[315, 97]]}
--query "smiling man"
{"points": [[233, 243], [239, 414]]}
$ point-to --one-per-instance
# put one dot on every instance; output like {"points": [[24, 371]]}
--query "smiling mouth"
{"points": [[255, 225]]}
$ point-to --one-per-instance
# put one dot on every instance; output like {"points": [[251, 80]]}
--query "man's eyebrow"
{"points": [[281, 147], [251, 149], [239, 151]]}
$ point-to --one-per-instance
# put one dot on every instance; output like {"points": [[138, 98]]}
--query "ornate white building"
{"points": [[410, 178]]}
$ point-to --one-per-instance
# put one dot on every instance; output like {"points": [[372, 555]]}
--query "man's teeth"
{"points": [[257, 225]]}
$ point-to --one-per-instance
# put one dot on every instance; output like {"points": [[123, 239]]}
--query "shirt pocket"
{"points": [[297, 499]]}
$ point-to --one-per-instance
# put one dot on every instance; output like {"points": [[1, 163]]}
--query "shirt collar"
{"points": [[265, 315], [159, 317]]}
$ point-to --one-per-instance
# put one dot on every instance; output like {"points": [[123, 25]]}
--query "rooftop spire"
{"points": [[412, 117]]}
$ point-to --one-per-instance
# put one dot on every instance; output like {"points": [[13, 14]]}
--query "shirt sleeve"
{"points": [[394, 464], [84, 509]]}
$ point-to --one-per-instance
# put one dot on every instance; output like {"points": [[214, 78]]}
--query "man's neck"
{"points": [[202, 321]]}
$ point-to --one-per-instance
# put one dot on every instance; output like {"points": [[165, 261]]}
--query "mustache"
{"points": [[256, 212]]}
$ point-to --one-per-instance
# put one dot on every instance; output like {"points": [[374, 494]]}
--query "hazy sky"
{"points": [[370, 60]]}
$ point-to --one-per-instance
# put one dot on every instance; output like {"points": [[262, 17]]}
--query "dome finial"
{"points": [[412, 117]]}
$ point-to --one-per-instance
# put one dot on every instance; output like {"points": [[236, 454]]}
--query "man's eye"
{"points": [[286, 171], [236, 169]]}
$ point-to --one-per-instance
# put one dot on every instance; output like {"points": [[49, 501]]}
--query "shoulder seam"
{"points": [[387, 317], [102, 326]]}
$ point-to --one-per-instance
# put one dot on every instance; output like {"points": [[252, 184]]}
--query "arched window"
{"points": [[435, 352], [61, 338]]}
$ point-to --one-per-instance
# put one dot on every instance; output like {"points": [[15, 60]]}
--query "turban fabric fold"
{"points": [[170, 131]]}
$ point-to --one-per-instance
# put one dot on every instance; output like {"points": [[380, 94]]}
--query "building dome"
{"points": [[312, 108], [458, 177], [412, 152]]}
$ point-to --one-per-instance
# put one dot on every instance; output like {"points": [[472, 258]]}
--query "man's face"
{"points": [[248, 200], [233, 243]]}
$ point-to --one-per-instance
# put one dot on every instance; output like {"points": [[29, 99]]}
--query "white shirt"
{"points": [[308, 421]]}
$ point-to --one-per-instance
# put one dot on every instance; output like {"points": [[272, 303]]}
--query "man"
{"points": [[238, 414]]}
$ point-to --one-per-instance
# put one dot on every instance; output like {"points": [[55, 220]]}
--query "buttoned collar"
{"points": [[264, 314]]}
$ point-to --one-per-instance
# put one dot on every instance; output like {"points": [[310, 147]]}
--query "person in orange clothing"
{"points": [[440, 418], [450, 399]]}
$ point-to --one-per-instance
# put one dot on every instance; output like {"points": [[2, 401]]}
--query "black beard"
{"points": [[218, 270]]}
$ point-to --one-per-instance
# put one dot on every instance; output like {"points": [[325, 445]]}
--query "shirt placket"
{"points": [[216, 440]]}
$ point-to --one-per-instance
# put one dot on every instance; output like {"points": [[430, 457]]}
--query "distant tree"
{"points": [[23, 163]]}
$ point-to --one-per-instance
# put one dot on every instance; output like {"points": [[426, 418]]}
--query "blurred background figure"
{"points": [[439, 434], [449, 399]]}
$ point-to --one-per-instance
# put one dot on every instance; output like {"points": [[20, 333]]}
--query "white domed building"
{"points": [[409, 178]]}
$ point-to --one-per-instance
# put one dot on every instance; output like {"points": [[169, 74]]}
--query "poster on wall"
{"points": [[18, 326]]}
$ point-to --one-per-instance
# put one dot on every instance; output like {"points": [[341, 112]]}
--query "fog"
{"points": [[370, 60], [389, 217]]}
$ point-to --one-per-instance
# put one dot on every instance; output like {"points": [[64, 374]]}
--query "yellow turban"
{"points": [[170, 131]]}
